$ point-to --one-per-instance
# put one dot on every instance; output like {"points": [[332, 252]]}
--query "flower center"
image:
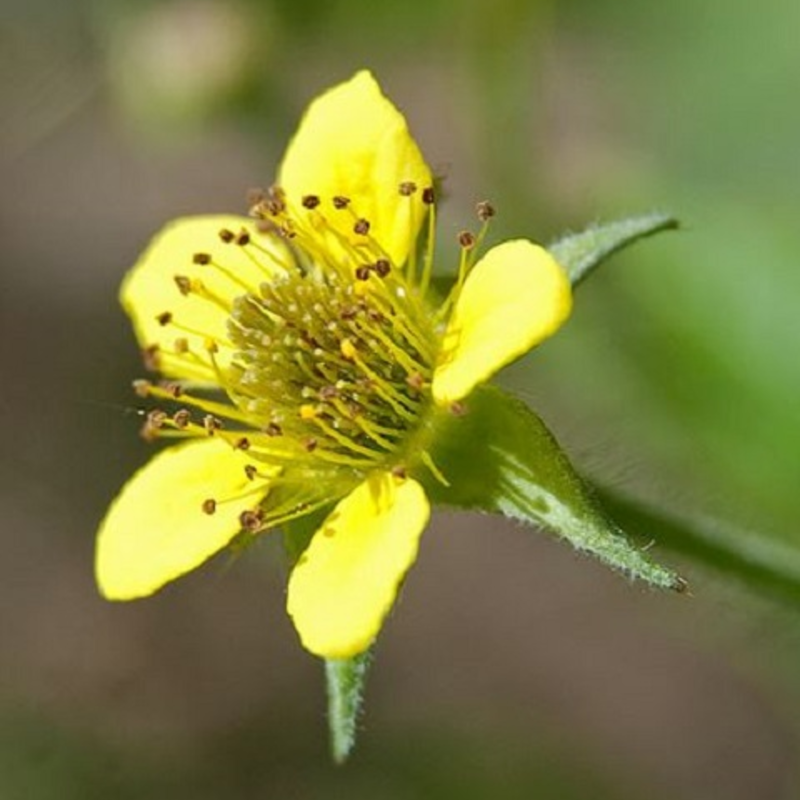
{"points": [[338, 360]]}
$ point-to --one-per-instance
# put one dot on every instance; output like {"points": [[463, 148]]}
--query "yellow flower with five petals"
{"points": [[311, 367]]}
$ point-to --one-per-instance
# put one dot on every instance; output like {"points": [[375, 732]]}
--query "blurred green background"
{"points": [[511, 668]]}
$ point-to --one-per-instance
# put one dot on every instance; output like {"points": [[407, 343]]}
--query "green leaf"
{"points": [[499, 457], [345, 681], [580, 253], [755, 560]]}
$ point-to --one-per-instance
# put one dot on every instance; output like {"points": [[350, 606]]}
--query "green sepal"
{"points": [[580, 253], [757, 561], [345, 680], [499, 457]]}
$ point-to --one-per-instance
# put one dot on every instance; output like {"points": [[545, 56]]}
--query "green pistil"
{"points": [[340, 366]]}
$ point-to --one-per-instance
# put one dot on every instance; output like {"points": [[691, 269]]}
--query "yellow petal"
{"points": [[346, 581], [156, 529], [352, 142], [516, 296], [149, 289]]}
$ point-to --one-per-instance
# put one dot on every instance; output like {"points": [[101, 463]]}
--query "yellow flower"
{"points": [[310, 365]]}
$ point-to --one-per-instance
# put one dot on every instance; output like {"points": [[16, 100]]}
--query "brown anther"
{"points": [[400, 472], [466, 240], [251, 520], [156, 418], [416, 381], [226, 235], [362, 272], [375, 315], [181, 345], [243, 237], [285, 230], [148, 432], [361, 227], [151, 357], [181, 418], [428, 196], [273, 429], [484, 210], [407, 188], [382, 267], [328, 393], [310, 201], [164, 318], [211, 424], [348, 312], [175, 389], [251, 471], [210, 345], [201, 258], [341, 202], [458, 409], [183, 283], [274, 207], [255, 196], [310, 444], [142, 387], [209, 506], [242, 444]]}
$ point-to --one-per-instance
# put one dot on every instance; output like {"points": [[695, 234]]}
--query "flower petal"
{"points": [[516, 296], [352, 142], [156, 529], [345, 582], [149, 289]]}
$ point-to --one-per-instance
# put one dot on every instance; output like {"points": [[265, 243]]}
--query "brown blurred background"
{"points": [[511, 668]]}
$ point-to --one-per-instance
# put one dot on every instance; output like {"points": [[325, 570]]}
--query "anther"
{"points": [[183, 283], [407, 188], [362, 272], [175, 389], [226, 235], [310, 444], [428, 196], [400, 472], [466, 240], [255, 196], [484, 210], [382, 267], [164, 318], [341, 202], [251, 471], [416, 381], [243, 237], [251, 520], [211, 424], [328, 393], [361, 227], [142, 387], [151, 358], [181, 345], [156, 418], [210, 345], [310, 201], [201, 258], [458, 409], [181, 418], [242, 444], [209, 506], [273, 429]]}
